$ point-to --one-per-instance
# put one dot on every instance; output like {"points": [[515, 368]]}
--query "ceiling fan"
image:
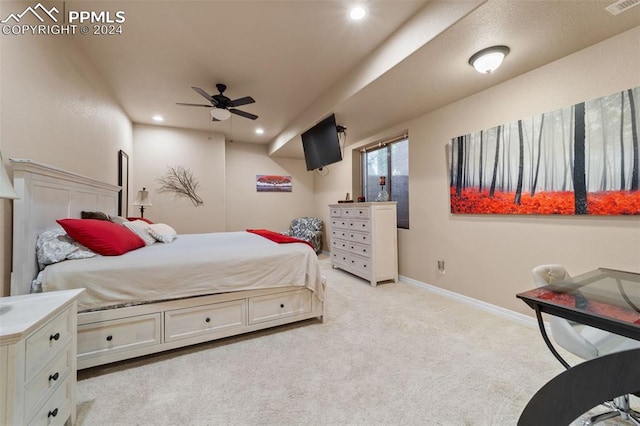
{"points": [[222, 105]]}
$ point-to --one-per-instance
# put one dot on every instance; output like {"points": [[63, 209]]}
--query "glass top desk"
{"points": [[605, 298]]}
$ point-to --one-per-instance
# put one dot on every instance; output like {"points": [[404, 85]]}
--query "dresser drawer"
{"points": [[360, 249], [359, 266], [45, 344], [347, 212], [208, 319], [118, 335], [42, 386], [339, 223], [266, 308], [340, 233], [359, 237], [359, 225], [339, 244], [339, 258], [362, 213], [335, 212], [57, 409]]}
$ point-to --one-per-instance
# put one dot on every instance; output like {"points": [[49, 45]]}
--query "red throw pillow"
{"points": [[103, 237], [131, 219]]}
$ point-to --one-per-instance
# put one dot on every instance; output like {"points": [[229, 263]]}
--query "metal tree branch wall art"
{"points": [[181, 183]]}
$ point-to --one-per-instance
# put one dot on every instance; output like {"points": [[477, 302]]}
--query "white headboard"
{"points": [[46, 194]]}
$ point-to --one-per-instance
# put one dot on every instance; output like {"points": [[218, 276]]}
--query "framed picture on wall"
{"points": [[273, 183], [123, 182]]}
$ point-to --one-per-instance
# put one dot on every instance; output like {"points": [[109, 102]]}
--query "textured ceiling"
{"points": [[296, 58]]}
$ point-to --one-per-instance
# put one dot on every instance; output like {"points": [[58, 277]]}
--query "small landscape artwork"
{"points": [[273, 183], [579, 160]]}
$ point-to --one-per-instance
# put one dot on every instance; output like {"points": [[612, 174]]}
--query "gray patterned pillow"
{"points": [[54, 245]]}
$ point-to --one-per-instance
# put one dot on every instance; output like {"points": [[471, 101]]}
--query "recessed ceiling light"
{"points": [[358, 12], [158, 118], [259, 130]]}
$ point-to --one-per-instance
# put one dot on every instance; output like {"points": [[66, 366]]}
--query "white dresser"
{"points": [[38, 358], [364, 240]]}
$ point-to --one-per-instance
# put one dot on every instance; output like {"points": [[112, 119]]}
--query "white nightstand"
{"points": [[38, 358]]}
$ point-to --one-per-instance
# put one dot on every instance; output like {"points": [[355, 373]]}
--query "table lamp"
{"points": [[142, 200]]}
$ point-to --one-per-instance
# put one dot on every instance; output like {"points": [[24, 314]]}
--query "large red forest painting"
{"points": [[579, 160]]}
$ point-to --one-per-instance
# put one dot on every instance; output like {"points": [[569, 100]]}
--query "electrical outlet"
{"points": [[441, 267]]}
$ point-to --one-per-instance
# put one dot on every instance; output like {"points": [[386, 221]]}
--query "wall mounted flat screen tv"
{"points": [[321, 144]]}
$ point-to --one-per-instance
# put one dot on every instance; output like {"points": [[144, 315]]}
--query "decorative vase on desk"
{"points": [[383, 195]]}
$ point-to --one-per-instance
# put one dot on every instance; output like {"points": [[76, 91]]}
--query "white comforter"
{"points": [[194, 264]]}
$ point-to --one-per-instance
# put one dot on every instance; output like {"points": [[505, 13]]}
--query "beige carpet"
{"points": [[391, 355]]}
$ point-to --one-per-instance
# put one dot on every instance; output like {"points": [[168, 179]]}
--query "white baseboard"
{"points": [[503, 312]]}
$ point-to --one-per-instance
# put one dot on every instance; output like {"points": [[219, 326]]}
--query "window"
{"points": [[391, 161]]}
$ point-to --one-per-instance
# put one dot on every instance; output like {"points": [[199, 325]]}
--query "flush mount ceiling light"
{"points": [[260, 130], [158, 118], [220, 114], [358, 13], [489, 59]]}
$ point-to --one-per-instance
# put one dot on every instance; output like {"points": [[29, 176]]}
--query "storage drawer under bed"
{"points": [[101, 338], [207, 319], [274, 306]]}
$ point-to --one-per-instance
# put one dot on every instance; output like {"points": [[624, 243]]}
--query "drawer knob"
{"points": [[282, 305], [52, 413], [54, 336], [109, 338], [54, 377], [208, 319]]}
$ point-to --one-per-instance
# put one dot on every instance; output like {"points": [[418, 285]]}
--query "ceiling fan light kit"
{"points": [[221, 106], [220, 114], [488, 60]]}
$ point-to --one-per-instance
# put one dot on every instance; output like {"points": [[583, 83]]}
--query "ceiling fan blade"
{"points": [[205, 95], [243, 114], [200, 105], [241, 101]]}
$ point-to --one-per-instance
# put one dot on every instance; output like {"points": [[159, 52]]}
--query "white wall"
{"points": [[490, 257], [247, 208], [55, 108], [203, 153]]}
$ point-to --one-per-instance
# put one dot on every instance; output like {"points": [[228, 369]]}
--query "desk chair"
{"points": [[587, 343]]}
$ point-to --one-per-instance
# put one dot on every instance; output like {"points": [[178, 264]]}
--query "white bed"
{"points": [[198, 288]]}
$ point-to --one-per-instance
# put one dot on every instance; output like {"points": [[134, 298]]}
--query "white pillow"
{"points": [[162, 232], [141, 229]]}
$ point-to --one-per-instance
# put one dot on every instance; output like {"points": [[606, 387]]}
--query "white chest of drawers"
{"points": [[38, 358], [364, 240]]}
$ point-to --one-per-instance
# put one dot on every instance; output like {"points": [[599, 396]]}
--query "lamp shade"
{"points": [[220, 114], [6, 189], [142, 199], [489, 59]]}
